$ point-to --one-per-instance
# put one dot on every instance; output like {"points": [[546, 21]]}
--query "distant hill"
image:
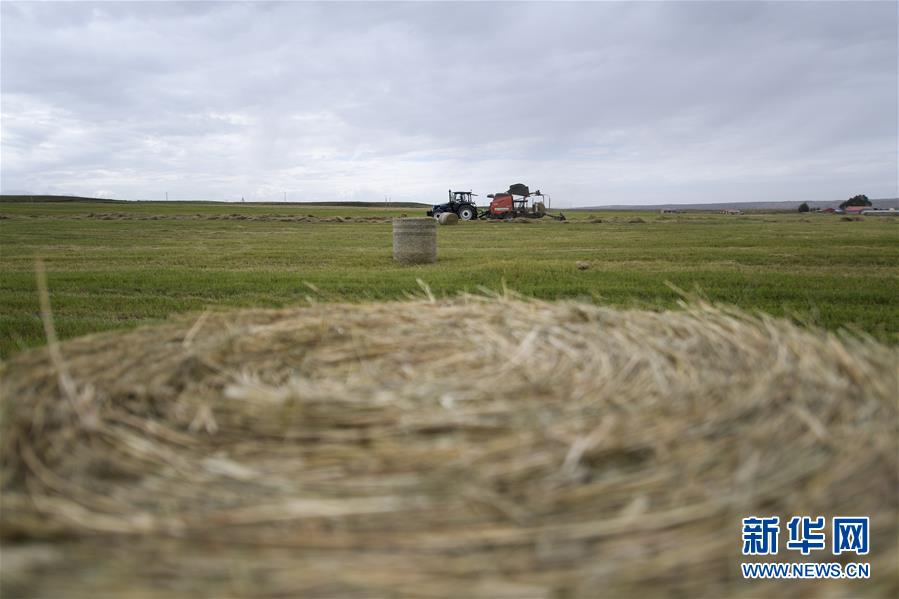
{"points": [[39, 198], [354, 204], [789, 206], [31, 198]]}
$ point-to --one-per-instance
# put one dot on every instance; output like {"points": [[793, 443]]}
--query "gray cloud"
{"points": [[599, 103]]}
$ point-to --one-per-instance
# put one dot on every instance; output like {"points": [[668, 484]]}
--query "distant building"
{"points": [[732, 211], [855, 209], [668, 211]]}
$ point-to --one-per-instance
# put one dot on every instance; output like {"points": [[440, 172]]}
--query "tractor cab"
{"points": [[461, 197], [460, 203]]}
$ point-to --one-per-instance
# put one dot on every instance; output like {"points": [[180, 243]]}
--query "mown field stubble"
{"points": [[476, 446], [117, 265]]}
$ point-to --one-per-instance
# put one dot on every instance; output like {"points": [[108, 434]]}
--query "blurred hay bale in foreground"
{"points": [[472, 447]]}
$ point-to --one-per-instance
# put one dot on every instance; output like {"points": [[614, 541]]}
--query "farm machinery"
{"points": [[460, 203], [517, 202]]}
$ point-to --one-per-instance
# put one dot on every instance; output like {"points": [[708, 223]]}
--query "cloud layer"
{"points": [[597, 103]]}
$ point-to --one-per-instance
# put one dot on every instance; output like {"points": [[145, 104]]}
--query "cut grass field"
{"points": [[118, 266]]}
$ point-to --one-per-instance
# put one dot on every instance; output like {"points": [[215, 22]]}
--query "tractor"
{"points": [[460, 203], [519, 202]]}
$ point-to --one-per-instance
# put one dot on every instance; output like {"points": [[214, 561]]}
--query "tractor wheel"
{"points": [[466, 213]]}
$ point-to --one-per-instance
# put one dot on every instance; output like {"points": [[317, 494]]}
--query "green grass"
{"points": [[118, 273]]}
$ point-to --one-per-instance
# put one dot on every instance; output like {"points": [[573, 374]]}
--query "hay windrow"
{"points": [[468, 447]]}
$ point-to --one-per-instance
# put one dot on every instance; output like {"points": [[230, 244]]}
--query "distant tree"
{"points": [[803, 207], [859, 200]]}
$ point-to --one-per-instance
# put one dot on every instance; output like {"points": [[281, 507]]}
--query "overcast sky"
{"points": [[595, 103]]}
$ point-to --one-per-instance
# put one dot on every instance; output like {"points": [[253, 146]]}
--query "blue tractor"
{"points": [[460, 203]]}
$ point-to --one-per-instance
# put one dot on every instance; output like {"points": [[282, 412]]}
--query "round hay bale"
{"points": [[414, 240], [330, 450], [448, 218]]}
